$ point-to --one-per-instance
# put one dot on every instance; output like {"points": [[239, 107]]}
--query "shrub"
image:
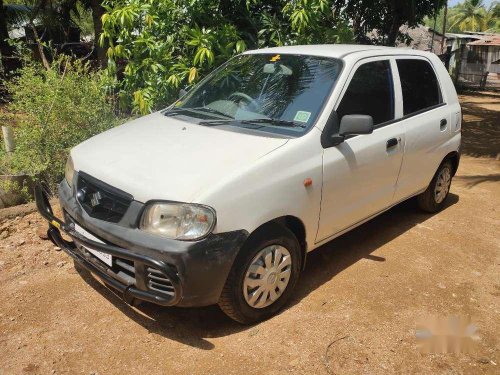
{"points": [[56, 109]]}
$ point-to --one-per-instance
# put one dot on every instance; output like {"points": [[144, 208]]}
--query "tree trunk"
{"points": [[444, 26], [392, 34], [6, 50], [97, 12], [45, 62], [65, 14]]}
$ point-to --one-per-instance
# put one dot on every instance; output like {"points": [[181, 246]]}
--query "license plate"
{"points": [[106, 258]]}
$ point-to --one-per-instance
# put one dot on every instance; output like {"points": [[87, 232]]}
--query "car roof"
{"points": [[336, 50]]}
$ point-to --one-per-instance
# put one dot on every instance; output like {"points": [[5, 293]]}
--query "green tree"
{"points": [[55, 17], [492, 18], [469, 15], [10, 15], [158, 46], [385, 16]]}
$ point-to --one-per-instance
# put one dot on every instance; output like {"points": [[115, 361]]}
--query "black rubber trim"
{"points": [[129, 291], [423, 110]]}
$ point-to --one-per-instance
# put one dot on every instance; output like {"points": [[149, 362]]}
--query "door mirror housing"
{"points": [[355, 125], [349, 125]]}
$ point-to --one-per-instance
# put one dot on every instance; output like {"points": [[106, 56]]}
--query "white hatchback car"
{"points": [[218, 198]]}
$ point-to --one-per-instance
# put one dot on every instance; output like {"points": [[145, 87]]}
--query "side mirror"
{"points": [[356, 124], [335, 133]]}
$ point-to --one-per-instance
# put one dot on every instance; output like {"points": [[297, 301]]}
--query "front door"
{"points": [[360, 174]]}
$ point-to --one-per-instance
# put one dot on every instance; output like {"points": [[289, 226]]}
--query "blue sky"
{"points": [[455, 2]]}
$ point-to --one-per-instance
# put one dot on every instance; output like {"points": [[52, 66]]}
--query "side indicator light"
{"points": [[308, 182]]}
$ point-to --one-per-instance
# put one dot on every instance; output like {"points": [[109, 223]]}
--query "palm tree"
{"points": [[471, 15], [492, 18]]}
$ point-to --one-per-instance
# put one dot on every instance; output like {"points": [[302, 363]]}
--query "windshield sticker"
{"points": [[275, 58], [302, 116]]}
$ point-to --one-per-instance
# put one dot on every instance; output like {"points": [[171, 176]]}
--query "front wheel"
{"points": [[263, 276], [433, 199]]}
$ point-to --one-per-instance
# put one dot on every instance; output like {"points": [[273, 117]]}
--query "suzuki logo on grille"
{"points": [[95, 199]]}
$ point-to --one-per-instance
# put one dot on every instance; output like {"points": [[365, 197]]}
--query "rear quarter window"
{"points": [[419, 85]]}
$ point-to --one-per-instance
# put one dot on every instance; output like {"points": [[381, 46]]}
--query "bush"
{"points": [[56, 109]]}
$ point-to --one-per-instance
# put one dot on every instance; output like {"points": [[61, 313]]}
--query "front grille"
{"points": [[100, 200], [158, 282], [125, 269]]}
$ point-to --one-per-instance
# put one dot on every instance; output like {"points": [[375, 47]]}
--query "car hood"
{"points": [[159, 157]]}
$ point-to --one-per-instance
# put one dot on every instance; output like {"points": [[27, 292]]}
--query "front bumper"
{"points": [[196, 271]]}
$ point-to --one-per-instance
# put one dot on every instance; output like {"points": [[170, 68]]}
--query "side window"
{"points": [[419, 85], [370, 92]]}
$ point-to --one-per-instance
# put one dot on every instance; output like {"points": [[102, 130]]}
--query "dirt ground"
{"points": [[355, 310]]}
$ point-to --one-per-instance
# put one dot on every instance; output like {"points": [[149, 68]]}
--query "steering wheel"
{"points": [[250, 101]]}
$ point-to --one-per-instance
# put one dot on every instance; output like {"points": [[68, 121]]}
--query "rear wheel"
{"points": [[263, 276], [433, 199]]}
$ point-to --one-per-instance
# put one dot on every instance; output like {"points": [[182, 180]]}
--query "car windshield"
{"points": [[277, 93]]}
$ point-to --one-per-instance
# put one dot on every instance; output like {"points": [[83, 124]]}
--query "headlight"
{"points": [[69, 171], [179, 221]]}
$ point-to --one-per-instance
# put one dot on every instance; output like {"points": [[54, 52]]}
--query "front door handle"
{"points": [[391, 143], [442, 124]]}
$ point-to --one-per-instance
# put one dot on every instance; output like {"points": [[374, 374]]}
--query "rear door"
{"points": [[426, 120], [360, 174]]}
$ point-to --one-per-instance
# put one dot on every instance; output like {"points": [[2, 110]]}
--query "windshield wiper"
{"points": [[216, 122], [257, 121], [230, 122], [274, 122], [176, 111], [214, 111]]}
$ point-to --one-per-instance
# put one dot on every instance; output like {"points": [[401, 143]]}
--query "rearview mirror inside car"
{"points": [[277, 68], [182, 92]]}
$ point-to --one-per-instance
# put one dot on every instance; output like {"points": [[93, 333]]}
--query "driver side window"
{"points": [[370, 92]]}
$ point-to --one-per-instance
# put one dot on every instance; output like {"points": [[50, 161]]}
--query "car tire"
{"points": [[259, 283], [433, 199]]}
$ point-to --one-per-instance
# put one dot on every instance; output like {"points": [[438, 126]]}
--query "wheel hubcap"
{"points": [[442, 185], [267, 276]]}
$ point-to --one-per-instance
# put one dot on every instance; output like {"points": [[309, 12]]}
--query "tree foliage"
{"points": [[56, 109], [158, 46], [472, 15], [468, 16], [154, 47], [385, 16]]}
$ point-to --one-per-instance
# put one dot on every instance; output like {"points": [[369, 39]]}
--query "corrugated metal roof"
{"points": [[462, 36], [486, 41]]}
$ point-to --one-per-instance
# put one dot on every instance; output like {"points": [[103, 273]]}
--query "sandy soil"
{"points": [[355, 310]]}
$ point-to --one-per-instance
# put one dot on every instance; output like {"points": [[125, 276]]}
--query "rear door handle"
{"points": [[391, 143], [442, 124]]}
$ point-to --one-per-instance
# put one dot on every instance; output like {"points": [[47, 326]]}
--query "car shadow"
{"points": [[192, 326], [480, 136], [335, 256], [472, 181]]}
